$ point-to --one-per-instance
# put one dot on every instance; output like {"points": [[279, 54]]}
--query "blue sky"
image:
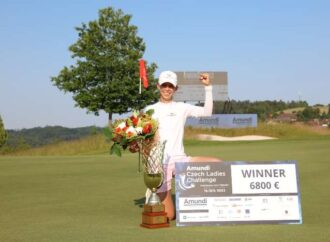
{"points": [[272, 50]]}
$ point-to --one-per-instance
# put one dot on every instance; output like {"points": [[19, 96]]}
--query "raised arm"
{"points": [[208, 103]]}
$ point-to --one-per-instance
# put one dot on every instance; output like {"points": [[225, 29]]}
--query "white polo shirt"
{"points": [[171, 119]]}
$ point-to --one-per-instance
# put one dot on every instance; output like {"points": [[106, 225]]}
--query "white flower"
{"points": [[131, 130], [139, 130], [122, 125]]}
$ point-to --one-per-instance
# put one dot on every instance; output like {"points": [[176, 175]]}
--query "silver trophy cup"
{"points": [[153, 170]]}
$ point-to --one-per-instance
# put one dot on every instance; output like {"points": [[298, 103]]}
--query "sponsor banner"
{"points": [[191, 89], [224, 121], [212, 193], [262, 209], [196, 93]]}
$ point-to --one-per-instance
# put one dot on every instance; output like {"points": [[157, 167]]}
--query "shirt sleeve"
{"points": [[195, 111], [149, 107]]}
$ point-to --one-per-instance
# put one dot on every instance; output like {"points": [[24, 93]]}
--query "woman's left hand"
{"points": [[205, 79]]}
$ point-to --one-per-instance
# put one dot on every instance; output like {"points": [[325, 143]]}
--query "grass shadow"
{"points": [[139, 201]]}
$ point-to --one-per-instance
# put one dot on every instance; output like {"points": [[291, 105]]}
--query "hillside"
{"points": [[41, 136], [323, 109], [96, 144]]}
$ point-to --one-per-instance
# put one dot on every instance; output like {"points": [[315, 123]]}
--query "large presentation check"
{"points": [[216, 193]]}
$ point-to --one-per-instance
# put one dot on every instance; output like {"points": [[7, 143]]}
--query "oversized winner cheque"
{"points": [[237, 193]]}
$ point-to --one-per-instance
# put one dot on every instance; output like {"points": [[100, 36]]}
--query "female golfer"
{"points": [[171, 117]]}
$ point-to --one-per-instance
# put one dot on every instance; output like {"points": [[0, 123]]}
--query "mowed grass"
{"points": [[99, 197]]}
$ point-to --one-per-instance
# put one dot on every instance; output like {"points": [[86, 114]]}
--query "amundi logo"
{"points": [[242, 120], [195, 202]]}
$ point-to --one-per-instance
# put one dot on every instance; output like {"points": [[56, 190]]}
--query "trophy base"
{"points": [[155, 226], [154, 216]]}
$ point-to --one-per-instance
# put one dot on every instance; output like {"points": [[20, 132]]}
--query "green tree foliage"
{"points": [[263, 109], [308, 113], [3, 133], [106, 73]]}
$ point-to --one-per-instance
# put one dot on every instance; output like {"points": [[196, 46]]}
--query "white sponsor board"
{"points": [[246, 209], [192, 90], [215, 193], [269, 178]]}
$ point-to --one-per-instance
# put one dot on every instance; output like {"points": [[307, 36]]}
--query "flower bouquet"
{"points": [[135, 133], [138, 133]]}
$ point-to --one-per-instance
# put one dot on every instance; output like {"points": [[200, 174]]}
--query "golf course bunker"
{"points": [[236, 138]]}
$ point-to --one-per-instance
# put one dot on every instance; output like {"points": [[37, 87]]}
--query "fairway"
{"points": [[99, 197]]}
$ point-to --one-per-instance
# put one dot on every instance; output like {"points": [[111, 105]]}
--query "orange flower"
{"points": [[147, 128], [118, 130], [134, 120]]}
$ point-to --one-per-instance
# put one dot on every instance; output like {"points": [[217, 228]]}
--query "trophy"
{"points": [[139, 133], [153, 171], [154, 215]]}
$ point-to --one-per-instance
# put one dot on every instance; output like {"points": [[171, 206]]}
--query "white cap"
{"points": [[168, 76]]}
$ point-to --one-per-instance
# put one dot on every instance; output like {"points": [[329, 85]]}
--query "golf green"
{"points": [[99, 197]]}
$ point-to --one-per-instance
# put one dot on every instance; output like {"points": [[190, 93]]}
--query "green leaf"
{"points": [[129, 122], [150, 112], [115, 149], [124, 141]]}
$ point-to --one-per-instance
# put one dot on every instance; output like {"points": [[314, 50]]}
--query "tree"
{"points": [[106, 73], [308, 114], [3, 133]]}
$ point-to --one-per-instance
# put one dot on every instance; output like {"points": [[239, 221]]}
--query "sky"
{"points": [[272, 50]]}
